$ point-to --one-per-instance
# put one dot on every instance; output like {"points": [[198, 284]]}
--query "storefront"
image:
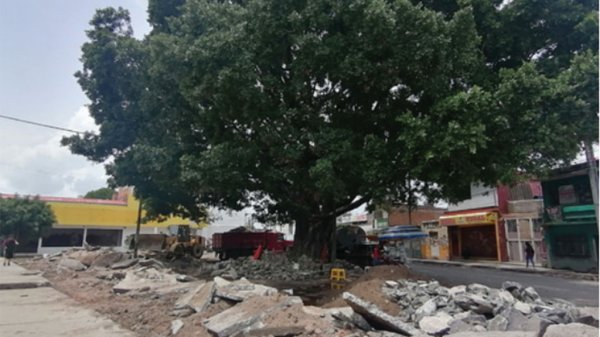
{"points": [[435, 246], [473, 235]]}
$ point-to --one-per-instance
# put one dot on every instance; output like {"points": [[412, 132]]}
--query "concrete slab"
{"points": [[45, 311], [17, 277]]}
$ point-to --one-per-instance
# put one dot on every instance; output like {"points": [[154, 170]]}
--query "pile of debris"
{"points": [[372, 306], [437, 310], [273, 266]]}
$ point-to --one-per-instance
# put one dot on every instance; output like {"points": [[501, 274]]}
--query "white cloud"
{"points": [[32, 161]]}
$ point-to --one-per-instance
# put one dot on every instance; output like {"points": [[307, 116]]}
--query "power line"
{"points": [[40, 124]]}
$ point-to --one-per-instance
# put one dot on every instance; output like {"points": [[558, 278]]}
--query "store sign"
{"points": [[380, 223], [469, 219]]}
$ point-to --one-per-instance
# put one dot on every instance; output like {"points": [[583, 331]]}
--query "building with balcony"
{"points": [[570, 220]]}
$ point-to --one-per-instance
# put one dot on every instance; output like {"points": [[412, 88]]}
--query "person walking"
{"points": [[529, 253], [10, 246]]}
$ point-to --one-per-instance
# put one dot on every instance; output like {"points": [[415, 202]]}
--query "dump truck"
{"points": [[240, 242], [175, 245]]}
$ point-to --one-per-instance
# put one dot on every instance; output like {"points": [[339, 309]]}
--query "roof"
{"points": [[69, 200]]}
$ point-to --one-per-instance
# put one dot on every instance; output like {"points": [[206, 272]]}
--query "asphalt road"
{"points": [[582, 293]]}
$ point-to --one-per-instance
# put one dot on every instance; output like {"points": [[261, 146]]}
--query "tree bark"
{"points": [[312, 236]]}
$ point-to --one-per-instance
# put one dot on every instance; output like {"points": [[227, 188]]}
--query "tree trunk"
{"points": [[312, 236]]}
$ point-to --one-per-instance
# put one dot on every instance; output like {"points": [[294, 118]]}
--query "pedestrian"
{"points": [[529, 253], [376, 256], [10, 245]]}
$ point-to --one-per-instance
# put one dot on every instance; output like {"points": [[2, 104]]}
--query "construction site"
{"points": [[158, 295]]}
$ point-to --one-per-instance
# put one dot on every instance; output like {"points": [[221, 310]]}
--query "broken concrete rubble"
{"points": [[243, 289], [377, 317], [71, 264], [247, 313], [124, 264], [572, 329], [176, 325], [436, 325]]}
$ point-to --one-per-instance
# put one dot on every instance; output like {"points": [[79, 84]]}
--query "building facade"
{"points": [[97, 222], [495, 223], [570, 221]]}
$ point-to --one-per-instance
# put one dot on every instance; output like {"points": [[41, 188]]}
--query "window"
{"points": [[571, 246], [60, 237], [104, 237]]}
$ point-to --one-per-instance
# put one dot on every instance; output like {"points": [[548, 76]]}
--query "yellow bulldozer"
{"points": [[175, 245]]}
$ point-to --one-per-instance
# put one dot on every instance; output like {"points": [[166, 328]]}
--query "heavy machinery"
{"points": [[239, 242], [353, 245], [176, 245]]}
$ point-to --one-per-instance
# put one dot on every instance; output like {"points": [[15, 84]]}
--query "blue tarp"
{"points": [[402, 232]]}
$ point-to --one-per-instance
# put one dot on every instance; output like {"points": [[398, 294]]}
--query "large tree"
{"points": [[24, 217], [306, 109]]}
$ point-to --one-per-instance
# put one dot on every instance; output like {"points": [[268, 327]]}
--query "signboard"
{"points": [[469, 219], [380, 223]]}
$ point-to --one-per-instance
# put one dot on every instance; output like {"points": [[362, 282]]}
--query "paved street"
{"points": [[583, 293]]}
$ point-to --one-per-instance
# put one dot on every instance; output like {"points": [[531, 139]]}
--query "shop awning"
{"points": [[481, 218], [401, 232]]}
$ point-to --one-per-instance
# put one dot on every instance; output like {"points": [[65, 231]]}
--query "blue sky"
{"points": [[40, 45]]}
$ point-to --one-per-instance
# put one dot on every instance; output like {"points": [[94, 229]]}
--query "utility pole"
{"points": [[137, 230], [593, 174]]}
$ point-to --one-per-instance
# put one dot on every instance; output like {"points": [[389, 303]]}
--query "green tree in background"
{"points": [[24, 217], [105, 193], [306, 109]]}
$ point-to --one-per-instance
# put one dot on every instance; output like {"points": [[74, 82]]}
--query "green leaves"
{"points": [[298, 107], [26, 218]]}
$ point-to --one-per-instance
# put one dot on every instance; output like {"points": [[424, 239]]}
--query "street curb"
{"points": [[551, 272], [24, 285]]}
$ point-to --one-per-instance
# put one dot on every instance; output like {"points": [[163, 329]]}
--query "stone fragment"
{"points": [[519, 322], [124, 264], [151, 263], [524, 308], [244, 315], [183, 312], [242, 289], [457, 290], [427, 308], [107, 259], [185, 299], [588, 320], [493, 334], [71, 264], [348, 315], [477, 288], [140, 279], [184, 278], [176, 325], [474, 303], [391, 284], [506, 296], [572, 329], [435, 325], [220, 282], [530, 295], [284, 331], [375, 316], [498, 323]]}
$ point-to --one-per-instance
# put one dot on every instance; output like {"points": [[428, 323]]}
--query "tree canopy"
{"points": [[306, 109], [101, 193], [25, 217]]}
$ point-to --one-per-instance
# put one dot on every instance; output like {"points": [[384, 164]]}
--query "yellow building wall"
{"points": [[79, 214]]}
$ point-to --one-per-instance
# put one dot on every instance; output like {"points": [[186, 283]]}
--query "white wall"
{"points": [[481, 197]]}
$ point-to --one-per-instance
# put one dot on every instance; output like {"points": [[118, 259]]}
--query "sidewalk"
{"points": [[30, 307], [515, 267]]}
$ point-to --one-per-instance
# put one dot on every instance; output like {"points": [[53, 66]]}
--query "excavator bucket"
{"points": [[151, 241]]}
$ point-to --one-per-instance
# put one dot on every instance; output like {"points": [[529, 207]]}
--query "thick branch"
{"points": [[341, 210]]}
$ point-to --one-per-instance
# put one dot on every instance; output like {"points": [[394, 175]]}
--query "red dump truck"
{"points": [[234, 244]]}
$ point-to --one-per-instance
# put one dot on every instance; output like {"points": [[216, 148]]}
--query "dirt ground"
{"points": [[149, 314]]}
